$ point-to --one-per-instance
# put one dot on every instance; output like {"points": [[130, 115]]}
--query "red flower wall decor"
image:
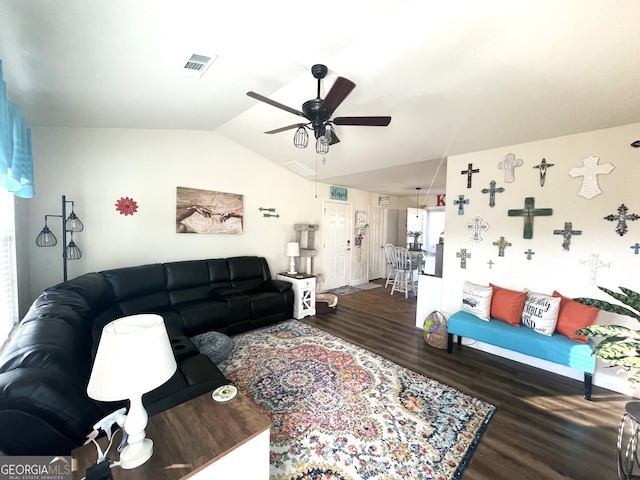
{"points": [[126, 206]]}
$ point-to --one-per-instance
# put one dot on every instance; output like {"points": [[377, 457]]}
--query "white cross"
{"points": [[476, 224], [594, 264], [589, 173], [509, 163]]}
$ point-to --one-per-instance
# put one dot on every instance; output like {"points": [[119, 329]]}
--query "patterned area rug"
{"points": [[340, 412]]}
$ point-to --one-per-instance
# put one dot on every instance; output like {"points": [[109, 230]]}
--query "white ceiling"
{"points": [[456, 76]]}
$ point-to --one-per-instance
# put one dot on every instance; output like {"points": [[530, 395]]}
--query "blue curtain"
{"points": [[16, 160]]}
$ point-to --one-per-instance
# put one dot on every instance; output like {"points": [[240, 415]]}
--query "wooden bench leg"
{"points": [[588, 379]]}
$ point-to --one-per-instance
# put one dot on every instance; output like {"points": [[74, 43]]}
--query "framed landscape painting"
{"points": [[205, 211]]}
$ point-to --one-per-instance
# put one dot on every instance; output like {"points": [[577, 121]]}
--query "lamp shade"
{"points": [[134, 356], [293, 249]]}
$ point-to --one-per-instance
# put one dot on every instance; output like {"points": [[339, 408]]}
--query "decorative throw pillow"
{"points": [[215, 345], [540, 313], [507, 305], [574, 316], [476, 300]]}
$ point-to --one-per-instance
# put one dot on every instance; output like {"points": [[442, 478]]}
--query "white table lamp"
{"points": [[134, 357], [293, 250]]}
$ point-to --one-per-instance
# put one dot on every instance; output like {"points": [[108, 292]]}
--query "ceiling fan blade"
{"points": [[363, 121], [339, 91], [283, 129], [273, 103]]}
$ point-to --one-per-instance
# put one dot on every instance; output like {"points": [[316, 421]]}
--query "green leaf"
{"points": [[608, 307], [608, 331], [616, 350], [633, 298], [634, 379]]}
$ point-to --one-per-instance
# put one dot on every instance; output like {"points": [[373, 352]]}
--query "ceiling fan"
{"points": [[318, 111]]}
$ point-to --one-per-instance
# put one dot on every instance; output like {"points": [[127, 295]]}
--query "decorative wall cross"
{"points": [[477, 224], [509, 164], [543, 165], [501, 244], [622, 218], [589, 173], [492, 192], [529, 212], [636, 248], [469, 173], [463, 255], [529, 254], [461, 202], [594, 264], [490, 263], [567, 232]]}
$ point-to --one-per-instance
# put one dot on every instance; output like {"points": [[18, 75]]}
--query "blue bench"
{"points": [[556, 348]]}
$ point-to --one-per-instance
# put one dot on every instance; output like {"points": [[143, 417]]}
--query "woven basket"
{"points": [[436, 339]]}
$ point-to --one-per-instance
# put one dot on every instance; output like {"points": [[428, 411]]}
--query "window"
{"points": [[8, 275], [435, 227]]}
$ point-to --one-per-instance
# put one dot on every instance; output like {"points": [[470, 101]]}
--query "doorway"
{"points": [[336, 244], [377, 240]]}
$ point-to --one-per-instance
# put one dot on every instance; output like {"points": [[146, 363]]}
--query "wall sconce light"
{"points": [[70, 224]]}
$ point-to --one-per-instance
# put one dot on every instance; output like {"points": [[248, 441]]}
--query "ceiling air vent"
{"points": [[299, 168], [197, 65]]}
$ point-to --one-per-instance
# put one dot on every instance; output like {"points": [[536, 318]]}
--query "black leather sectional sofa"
{"points": [[44, 371]]}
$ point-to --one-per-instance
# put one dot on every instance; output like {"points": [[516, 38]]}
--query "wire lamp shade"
{"points": [[322, 145], [70, 224], [301, 138]]}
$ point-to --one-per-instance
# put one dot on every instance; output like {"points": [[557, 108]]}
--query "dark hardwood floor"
{"points": [[542, 429]]}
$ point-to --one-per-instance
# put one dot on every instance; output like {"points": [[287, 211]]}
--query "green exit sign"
{"points": [[338, 193]]}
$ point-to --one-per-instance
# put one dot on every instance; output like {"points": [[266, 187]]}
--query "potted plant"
{"points": [[620, 345]]}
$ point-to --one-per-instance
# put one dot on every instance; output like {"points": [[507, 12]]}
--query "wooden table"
{"points": [[200, 438]]}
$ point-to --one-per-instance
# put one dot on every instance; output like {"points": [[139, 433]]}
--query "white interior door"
{"points": [[336, 244], [377, 259]]}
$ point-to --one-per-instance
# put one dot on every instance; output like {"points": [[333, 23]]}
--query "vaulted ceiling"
{"points": [[456, 76]]}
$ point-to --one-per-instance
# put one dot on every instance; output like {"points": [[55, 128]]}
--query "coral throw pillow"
{"points": [[507, 305], [574, 316]]}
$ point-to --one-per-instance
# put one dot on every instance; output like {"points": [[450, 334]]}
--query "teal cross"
{"points": [[529, 254], [636, 248], [501, 244], [528, 212], [461, 202]]}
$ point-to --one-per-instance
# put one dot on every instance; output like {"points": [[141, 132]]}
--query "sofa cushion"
{"points": [[215, 345], [136, 282], [574, 316], [540, 313], [507, 305], [476, 299], [204, 316]]}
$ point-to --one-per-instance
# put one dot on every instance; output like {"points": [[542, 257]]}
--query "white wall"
{"points": [[551, 268], [96, 167]]}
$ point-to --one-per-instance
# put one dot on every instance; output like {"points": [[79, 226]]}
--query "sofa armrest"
{"points": [[276, 286]]}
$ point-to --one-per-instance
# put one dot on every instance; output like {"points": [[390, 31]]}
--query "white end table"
{"points": [[304, 292]]}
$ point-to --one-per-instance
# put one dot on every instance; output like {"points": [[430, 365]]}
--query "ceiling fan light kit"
{"points": [[318, 112]]}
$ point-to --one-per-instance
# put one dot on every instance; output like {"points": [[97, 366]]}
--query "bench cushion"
{"points": [[556, 348]]}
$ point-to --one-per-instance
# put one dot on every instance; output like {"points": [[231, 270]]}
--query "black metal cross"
{"points": [[461, 202], [469, 173], [528, 212], [543, 165], [567, 232], [492, 192], [501, 244], [622, 218]]}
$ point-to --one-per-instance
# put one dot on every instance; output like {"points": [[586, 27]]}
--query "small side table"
{"points": [[304, 291], [199, 439]]}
